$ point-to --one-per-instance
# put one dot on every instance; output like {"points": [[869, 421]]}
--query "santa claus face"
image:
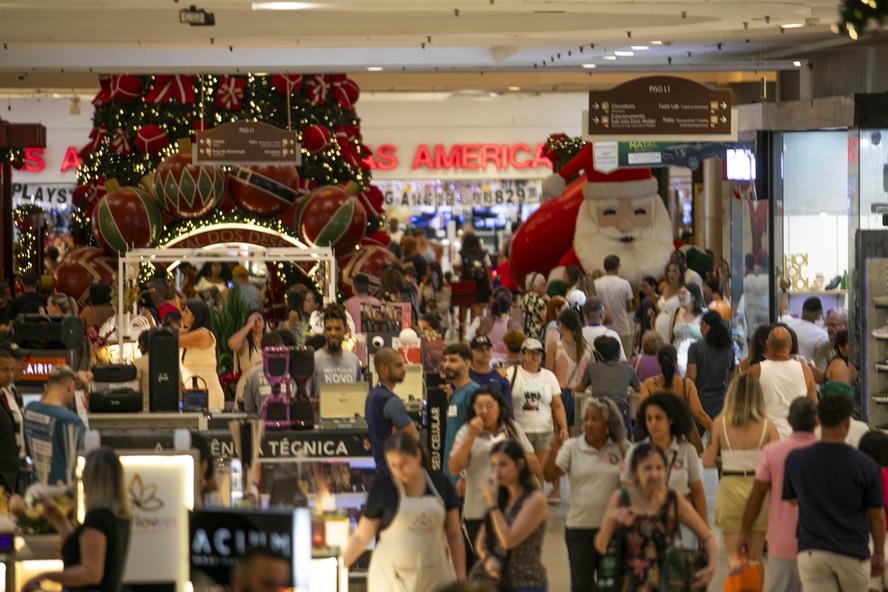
{"points": [[625, 216]]}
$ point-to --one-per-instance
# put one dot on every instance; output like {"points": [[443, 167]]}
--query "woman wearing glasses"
{"points": [[489, 421], [592, 464]]}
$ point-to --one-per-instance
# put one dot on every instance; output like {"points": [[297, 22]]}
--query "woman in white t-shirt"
{"points": [[592, 462], [536, 399]]}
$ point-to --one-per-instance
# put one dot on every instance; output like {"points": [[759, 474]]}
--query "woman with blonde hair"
{"points": [[645, 362], [59, 304], [93, 553], [738, 435]]}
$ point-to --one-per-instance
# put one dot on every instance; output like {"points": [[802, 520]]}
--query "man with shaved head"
{"points": [[384, 410], [783, 378]]}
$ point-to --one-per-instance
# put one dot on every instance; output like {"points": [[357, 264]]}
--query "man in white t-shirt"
{"points": [[810, 336], [536, 400], [616, 292], [594, 313]]}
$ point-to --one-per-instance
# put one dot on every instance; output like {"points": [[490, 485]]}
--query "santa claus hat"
{"points": [[622, 183]]}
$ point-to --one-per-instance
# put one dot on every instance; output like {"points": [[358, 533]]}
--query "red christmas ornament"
{"points": [[231, 93], [372, 199], [186, 190], [316, 138], [121, 143], [337, 88], [104, 94], [372, 260], [125, 87], [352, 90], [80, 268], [171, 87], [126, 218], [330, 216], [264, 190], [151, 139], [378, 236], [286, 84], [316, 88], [96, 137]]}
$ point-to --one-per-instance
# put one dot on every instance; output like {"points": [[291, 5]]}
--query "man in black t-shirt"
{"points": [[30, 302]]}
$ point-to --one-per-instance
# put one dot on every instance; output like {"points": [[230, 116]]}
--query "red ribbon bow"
{"points": [[176, 87], [231, 93]]}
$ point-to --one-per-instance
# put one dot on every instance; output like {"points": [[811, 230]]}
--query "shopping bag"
{"points": [[746, 577]]}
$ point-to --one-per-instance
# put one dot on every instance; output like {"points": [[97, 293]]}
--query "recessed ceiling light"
{"points": [[656, 43], [612, 58], [284, 5], [640, 47], [793, 26], [589, 66], [514, 88], [624, 54], [493, 94], [797, 64], [374, 68]]}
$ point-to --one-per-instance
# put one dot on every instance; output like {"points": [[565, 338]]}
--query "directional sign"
{"points": [[660, 105], [248, 143]]}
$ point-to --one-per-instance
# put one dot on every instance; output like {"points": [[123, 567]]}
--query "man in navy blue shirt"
{"points": [[839, 493], [481, 370], [384, 410]]}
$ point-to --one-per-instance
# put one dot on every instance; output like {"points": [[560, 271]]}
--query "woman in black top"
{"points": [[94, 552]]}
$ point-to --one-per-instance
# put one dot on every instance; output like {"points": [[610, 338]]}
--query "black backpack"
{"points": [[473, 265]]}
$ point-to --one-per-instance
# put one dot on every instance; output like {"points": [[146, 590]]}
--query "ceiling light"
{"points": [[640, 47], [656, 43], [793, 26], [514, 88], [797, 64], [590, 66], [374, 68], [284, 5], [624, 54], [612, 58], [493, 94]]}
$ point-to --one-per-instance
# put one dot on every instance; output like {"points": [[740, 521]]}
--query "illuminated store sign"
{"points": [[469, 157]]}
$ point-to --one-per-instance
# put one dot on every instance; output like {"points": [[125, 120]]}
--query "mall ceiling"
{"points": [[411, 45]]}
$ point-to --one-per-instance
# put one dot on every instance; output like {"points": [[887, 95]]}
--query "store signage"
{"points": [[459, 193], [879, 207], [740, 164], [666, 105], [437, 418], [468, 157], [35, 160], [232, 233], [294, 444], [55, 195], [247, 143], [219, 538], [605, 157]]}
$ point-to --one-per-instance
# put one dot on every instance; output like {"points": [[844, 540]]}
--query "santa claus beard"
{"points": [[647, 253]]}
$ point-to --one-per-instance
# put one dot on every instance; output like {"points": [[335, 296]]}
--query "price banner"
{"points": [[459, 193]]}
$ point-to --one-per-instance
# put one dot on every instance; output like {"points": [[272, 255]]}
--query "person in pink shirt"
{"points": [[782, 574], [362, 296]]}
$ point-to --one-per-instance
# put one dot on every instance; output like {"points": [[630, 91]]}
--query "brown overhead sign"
{"points": [[246, 142], [665, 105]]}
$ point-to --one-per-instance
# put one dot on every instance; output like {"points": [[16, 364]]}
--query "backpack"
{"points": [[473, 265]]}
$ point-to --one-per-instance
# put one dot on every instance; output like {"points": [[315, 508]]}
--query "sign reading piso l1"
{"points": [[660, 105], [246, 143]]}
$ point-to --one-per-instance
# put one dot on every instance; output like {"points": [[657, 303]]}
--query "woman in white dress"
{"points": [[197, 346], [669, 302]]}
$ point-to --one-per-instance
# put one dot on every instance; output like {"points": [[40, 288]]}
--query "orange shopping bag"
{"points": [[746, 577]]}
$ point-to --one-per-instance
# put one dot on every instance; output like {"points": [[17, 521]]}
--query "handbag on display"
{"points": [[613, 562], [680, 564], [195, 397]]}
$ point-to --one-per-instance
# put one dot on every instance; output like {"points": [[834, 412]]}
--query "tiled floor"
{"points": [[555, 551]]}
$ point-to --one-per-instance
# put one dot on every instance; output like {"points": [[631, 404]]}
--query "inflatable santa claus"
{"points": [[597, 215]]}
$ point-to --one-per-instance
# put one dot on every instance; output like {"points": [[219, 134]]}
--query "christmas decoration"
{"points": [[315, 139], [264, 190], [316, 88], [104, 94], [126, 218], [372, 259], [231, 93], [339, 91], [96, 137], [80, 268], [120, 142], [352, 91], [125, 88], [372, 199], [331, 216], [561, 232], [151, 139], [186, 190], [286, 84], [176, 87], [857, 14]]}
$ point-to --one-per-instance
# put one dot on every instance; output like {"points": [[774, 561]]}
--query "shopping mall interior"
{"points": [[308, 148]]}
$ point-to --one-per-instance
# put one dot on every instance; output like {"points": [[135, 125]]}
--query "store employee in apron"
{"points": [[415, 514]]}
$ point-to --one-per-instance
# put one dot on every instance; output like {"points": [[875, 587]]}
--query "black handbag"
{"points": [[680, 564], [610, 568]]}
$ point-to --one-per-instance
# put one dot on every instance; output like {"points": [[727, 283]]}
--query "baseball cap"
{"points": [[531, 344], [481, 341], [577, 298], [239, 270]]}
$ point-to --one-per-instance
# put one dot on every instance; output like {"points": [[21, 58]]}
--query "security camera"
{"points": [[377, 341]]}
